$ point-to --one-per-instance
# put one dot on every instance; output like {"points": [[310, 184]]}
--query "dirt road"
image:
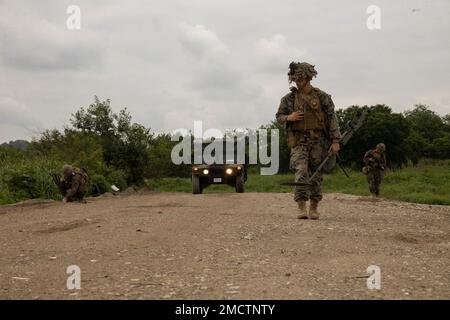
{"points": [[223, 246]]}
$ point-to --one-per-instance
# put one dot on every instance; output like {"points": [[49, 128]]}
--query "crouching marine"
{"points": [[73, 184]]}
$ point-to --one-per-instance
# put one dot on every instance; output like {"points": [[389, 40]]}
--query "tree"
{"points": [[285, 151], [425, 122], [98, 119], [381, 125], [446, 120], [160, 158], [17, 144], [125, 144], [133, 152], [440, 147], [430, 129], [416, 144]]}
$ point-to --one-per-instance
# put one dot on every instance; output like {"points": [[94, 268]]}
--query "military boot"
{"points": [[302, 208], [313, 213]]}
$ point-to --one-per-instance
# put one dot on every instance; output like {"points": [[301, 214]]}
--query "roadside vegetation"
{"points": [[428, 183], [117, 151]]}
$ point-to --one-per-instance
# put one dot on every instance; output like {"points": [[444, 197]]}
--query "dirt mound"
{"points": [[33, 202], [129, 191]]}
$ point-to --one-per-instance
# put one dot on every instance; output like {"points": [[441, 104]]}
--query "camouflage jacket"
{"points": [[375, 160], [331, 124], [76, 183]]}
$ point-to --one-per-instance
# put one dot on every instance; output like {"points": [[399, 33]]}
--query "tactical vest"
{"points": [[377, 158], [314, 117], [83, 174]]}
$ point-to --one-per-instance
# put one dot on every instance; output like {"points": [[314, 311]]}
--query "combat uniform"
{"points": [[375, 166], [74, 183], [311, 137]]}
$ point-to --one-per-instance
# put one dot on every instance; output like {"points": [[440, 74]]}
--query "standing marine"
{"points": [[73, 184], [375, 167], [312, 132]]}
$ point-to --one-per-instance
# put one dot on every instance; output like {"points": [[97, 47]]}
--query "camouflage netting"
{"points": [[301, 70]]}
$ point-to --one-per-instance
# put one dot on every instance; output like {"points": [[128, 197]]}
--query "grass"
{"points": [[23, 178], [255, 183], [428, 183]]}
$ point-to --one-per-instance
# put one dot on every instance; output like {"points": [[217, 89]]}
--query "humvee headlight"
{"points": [[195, 169], [239, 168], [229, 171], [205, 172]]}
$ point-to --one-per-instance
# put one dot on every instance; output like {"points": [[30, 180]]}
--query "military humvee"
{"points": [[230, 172]]}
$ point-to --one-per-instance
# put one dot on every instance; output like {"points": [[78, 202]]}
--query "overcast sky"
{"points": [[223, 62]]}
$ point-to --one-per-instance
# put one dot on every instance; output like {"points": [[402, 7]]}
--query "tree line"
{"points": [[409, 136], [116, 150]]}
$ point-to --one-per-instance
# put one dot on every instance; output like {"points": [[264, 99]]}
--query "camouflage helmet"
{"points": [[301, 70], [381, 147], [67, 170]]}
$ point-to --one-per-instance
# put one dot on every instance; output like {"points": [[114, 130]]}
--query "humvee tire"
{"points": [[196, 184], [239, 184]]}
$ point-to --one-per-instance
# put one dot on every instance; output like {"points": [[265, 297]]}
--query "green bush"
{"points": [[118, 178], [25, 178], [22, 185], [98, 185], [124, 144]]}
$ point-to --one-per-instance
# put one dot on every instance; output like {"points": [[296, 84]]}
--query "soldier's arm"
{"points": [[74, 187], [333, 126], [283, 112], [62, 186], [367, 157]]}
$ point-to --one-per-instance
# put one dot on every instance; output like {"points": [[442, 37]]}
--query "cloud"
{"points": [[16, 113], [200, 41], [35, 43], [214, 76], [275, 53], [225, 64], [223, 82]]}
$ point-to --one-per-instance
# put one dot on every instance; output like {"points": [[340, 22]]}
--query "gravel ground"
{"points": [[223, 246]]}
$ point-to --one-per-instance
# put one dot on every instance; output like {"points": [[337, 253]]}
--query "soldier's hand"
{"points": [[334, 148], [295, 116]]}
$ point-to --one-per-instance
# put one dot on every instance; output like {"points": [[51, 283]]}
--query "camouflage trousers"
{"points": [[305, 158], [78, 196], [374, 177]]}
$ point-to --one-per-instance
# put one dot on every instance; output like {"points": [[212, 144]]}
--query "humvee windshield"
{"points": [[228, 156]]}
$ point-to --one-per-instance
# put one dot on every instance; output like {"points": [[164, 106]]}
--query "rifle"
{"points": [[340, 163], [57, 180], [352, 127]]}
